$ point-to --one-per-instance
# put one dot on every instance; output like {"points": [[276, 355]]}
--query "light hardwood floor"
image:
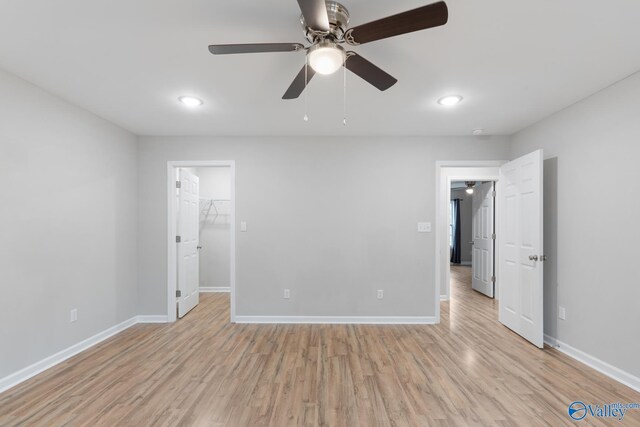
{"points": [[203, 371]]}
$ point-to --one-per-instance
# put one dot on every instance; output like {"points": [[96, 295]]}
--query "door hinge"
{"points": [[493, 236], [493, 193], [178, 293], [178, 184], [493, 279], [178, 239]]}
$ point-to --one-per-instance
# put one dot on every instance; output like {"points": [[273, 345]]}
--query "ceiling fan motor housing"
{"points": [[338, 21]]}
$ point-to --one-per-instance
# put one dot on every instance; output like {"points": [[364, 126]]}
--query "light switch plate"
{"points": [[243, 226], [562, 313], [424, 227]]}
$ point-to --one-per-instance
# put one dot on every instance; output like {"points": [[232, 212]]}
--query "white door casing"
{"points": [[188, 228], [483, 239], [520, 266]]}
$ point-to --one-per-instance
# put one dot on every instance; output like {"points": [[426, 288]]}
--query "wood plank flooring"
{"points": [[203, 371]]}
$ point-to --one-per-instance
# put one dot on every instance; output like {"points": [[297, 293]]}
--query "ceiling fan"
{"points": [[325, 27]]}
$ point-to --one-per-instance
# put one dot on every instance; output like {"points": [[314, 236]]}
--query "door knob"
{"points": [[199, 247], [533, 257]]}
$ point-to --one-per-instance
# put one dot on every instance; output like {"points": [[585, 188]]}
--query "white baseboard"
{"points": [[48, 362], [384, 320], [603, 367], [152, 319], [207, 289]]}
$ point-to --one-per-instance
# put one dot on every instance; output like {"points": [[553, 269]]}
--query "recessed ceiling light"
{"points": [[449, 100], [478, 131], [190, 101]]}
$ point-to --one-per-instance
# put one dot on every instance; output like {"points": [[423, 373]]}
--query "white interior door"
{"points": [[188, 227], [483, 239], [520, 256]]}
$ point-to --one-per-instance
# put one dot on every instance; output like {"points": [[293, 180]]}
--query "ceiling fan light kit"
{"points": [[470, 185], [326, 57], [325, 27]]}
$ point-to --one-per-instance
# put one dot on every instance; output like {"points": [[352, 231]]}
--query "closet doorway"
{"points": [[201, 233]]}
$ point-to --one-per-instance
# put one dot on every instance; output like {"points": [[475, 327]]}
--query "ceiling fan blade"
{"points": [[424, 17], [369, 72], [227, 49], [298, 84], [315, 14]]}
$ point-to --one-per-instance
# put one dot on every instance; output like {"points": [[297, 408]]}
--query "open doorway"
{"points": [[473, 236], [448, 173], [471, 226], [214, 228], [460, 223], [201, 238]]}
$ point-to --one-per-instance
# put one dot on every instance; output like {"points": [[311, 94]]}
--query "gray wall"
{"points": [[333, 219], [466, 218], [215, 231], [591, 222], [68, 224]]}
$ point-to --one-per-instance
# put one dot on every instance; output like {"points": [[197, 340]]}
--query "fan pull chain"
{"points": [[306, 67], [344, 95]]}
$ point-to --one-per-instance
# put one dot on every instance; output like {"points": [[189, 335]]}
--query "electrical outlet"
{"points": [[562, 313], [380, 294], [424, 227], [287, 294], [73, 315]]}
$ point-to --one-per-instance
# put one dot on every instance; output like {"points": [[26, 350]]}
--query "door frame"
{"points": [[446, 172], [172, 217]]}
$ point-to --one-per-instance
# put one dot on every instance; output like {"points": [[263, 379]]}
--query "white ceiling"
{"points": [[514, 62]]}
